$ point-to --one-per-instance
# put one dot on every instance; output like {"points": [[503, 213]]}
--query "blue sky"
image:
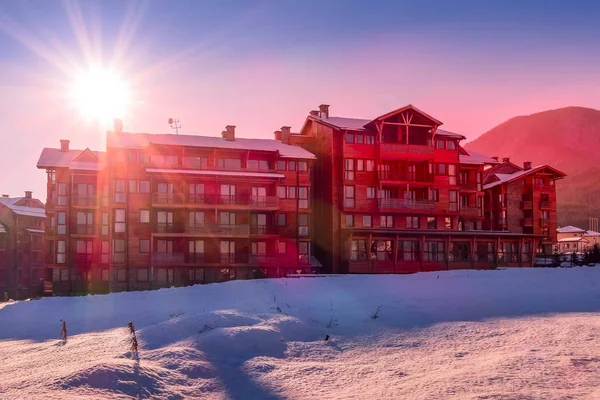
{"points": [[263, 64]]}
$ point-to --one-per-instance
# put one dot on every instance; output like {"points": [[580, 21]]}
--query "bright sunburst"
{"points": [[100, 95]]}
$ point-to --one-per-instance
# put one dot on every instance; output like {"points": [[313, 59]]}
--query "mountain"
{"points": [[567, 139]]}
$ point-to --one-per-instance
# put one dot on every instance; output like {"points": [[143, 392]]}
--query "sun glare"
{"points": [[100, 95]]}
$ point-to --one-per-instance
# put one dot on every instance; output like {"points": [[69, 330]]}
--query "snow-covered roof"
{"points": [[570, 229], [11, 202], [441, 132], [591, 233], [56, 158], [218, 173], [572, 239], [31, 230], [504, 178], [355, 124], [142, 140], [475, 158]]}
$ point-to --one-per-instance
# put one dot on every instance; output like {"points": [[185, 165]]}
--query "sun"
{"points": [[100, 95]]}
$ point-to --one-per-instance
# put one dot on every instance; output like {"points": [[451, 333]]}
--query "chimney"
{"points": [[506, 159], [495, 158], [27, 194], [229, 133], [314, 113], [277, 135], [527, 165], [118, 125], [5, 196], [324, 110], [285, 134], [64, 145]]}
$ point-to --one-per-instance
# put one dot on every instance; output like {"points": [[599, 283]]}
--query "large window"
{"points": [[303, 253], [349, 169], [431, 223], [105, 226], [409, 250], [120, 191], [196, 251], [434, 251], [104, 252], [303, 197], [144, 246], [452, 174], [485, 252], [367, 221], [281, 219], [229, 163], [145, 216], [62, 194], [386, 221], [119, 250], [508, 252], [349, 196], [303, 224], [120, 221], [195, 162], [358, 250], [381, 250], [85, 223], [349, 220], [61, 227], [258, 165], [460, 251], [61, 252], [370, 192], [526, 252]]}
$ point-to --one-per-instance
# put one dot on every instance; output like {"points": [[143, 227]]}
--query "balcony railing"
{"points": [[544, 186], [230, 229], [470, 211], [263, 230], [403, 149], [83, 258], [410, 204], [195, 258], [83, 200], [167, 257], [165, 228], [196, 228], [527, 205], [527, 221], [545, 204], [544, 221], [84, 229], [470, 186], [203, 199], [262, 259], [405, 176], [233, 259]]}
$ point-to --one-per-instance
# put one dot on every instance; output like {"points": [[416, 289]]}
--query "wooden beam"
{"points": [[409, 124]]}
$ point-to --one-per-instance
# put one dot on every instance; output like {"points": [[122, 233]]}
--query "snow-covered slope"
{"points": [[526, 333]]}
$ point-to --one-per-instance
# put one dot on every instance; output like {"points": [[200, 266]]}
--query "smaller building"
{"points": [[569, 231], [22, 224], [592, 237], [572, 244]]}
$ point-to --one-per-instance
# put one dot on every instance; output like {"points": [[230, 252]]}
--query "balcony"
{"points": [[470, 186], [233, 258], [83, 229], [400, 150], [527, 222], [544, 187], [166, 228], [409, 204], [470, 211], [215, 200], [402, 176], [243, 230], [262, 260], [83, 258], [84, 200], [167, 258], [527, 205], [195, 258], [545, 204], [263, 230], [544, 221], [196, 228]]}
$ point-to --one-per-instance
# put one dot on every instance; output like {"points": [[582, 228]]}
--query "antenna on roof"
{"points": [[175, 124]]}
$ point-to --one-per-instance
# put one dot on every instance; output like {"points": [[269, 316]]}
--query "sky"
{"points": [[260, 65]]}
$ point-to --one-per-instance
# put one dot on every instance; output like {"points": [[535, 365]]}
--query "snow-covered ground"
{"points": [[507, 334]]}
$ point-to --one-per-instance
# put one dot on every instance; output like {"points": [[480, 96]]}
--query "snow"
{"points": [[572, 239], [514, 333], [10, 203], [55, 158], [475, 158], [441, 132], [355, 124], [570, 229], [2, 228], [591, 233], [219, 173]]}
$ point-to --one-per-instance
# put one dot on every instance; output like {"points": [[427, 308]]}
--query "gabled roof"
{"points": [[570, 229], [73, 159], [355, 124], [470, 157], [11, 204], [408, 107], [506, 178], [591, 233], [441, 132], [143, 140]]}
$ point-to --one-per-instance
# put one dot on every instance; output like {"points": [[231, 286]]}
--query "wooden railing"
{"points": [[471, 186], [544, 221], [84, 200], [242, 200], [391, 203], [405, 176], [471, 211], [527, 205], [403, 149], [545, 204], [544, 186], [527, 221], [167, 257]]}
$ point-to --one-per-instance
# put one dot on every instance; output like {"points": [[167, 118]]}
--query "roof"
{"points": [[355, 124], [441, 132], [11, 202], [442, 233], [31, 230], [591, 233], [218, 173], [572, 239], [56, 158], [570, 229], [505, 178], [142, 140], [474, 158]]}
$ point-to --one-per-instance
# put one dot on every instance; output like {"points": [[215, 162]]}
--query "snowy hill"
{"points": [[526, 333]]}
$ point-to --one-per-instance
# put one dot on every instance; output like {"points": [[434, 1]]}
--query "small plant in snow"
{"points": [[332, 323], [375, 315], [176, 314], [133, 341], [279, 310], [63, 331]]}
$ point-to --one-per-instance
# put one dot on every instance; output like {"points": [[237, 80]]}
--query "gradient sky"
{"points": [[263, 64]]}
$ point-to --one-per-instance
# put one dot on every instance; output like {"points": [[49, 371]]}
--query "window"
{"points": [[440, 169], [105, 195], [145, 216], [381, 250], [370, 165], [349, 220], [367, 221], [451, 145], [460, 251], [281, 219], [431, 223], [229, 163], [104, 252], [303, 253], [409, 250], [453, 200], [441, 144], [196, 251], [386, 221], [195, 162], [358, 251], [291, 165], [281, 165], [452, 174], [282, 247], [119, 250], [282, 191], [85, 223], [133, 186], [526, 252], [302, 166], [61, 252], [227, 218], [360, 165], [303, 196], [105, 275], [360, 138], [61, 227], [349, 169], [434, 251], [508, 253], [144, 246], [64, 275], [412, 222], [349, 196], [119, 221], [62, 194], [370, 192], [434, 194], [485, 252], [196, 219], [349, 138], [370, 139], [142, 274], [259, 248], [448, 223], [121, 274], [260, 165], [144, 186], [303, 224], [120, 191]]}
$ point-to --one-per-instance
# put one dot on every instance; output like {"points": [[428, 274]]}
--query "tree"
{"points": [[574, 259], [556, 259], [587, 257], [595, 254]]}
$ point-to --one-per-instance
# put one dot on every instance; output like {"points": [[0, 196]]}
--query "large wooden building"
{"points": [[22, 268], [402, 195], [170, 210]]}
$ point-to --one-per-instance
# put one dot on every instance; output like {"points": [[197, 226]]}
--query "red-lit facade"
{"points": [[172, 210]]}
